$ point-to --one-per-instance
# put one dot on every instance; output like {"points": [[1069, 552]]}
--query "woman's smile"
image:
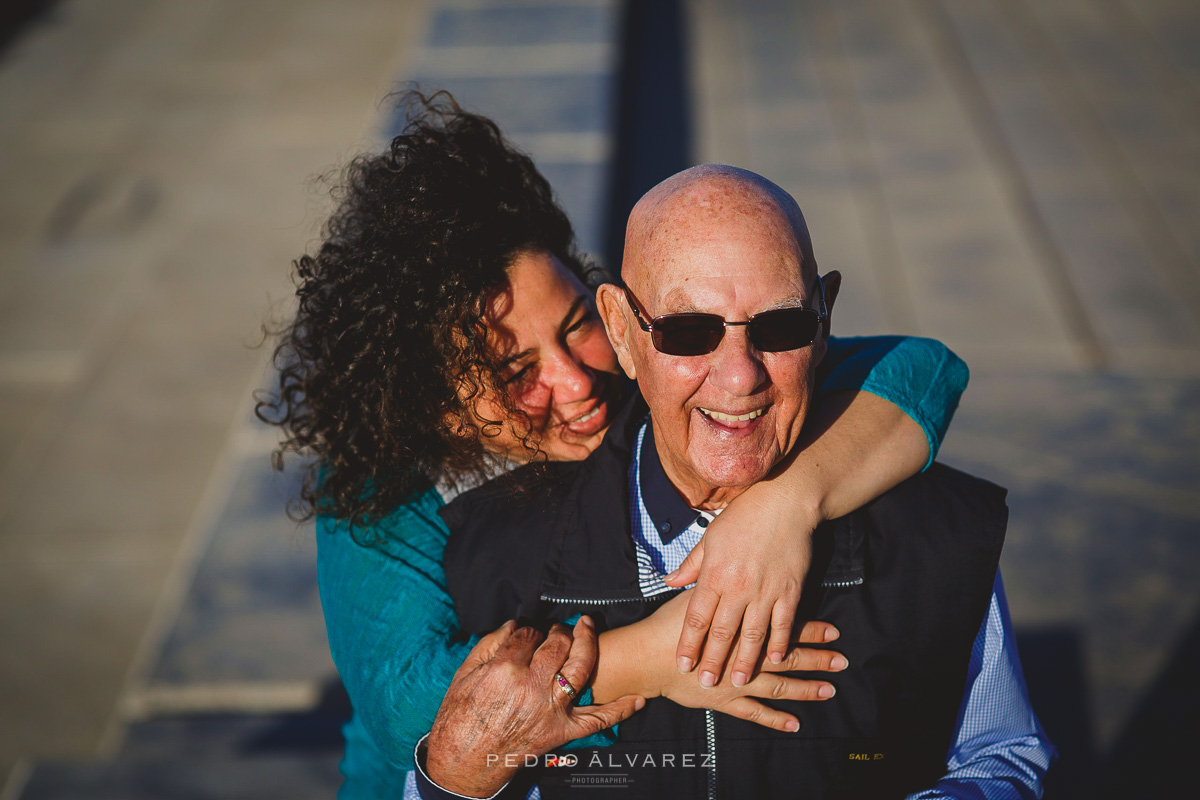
{"points": [[565, 375]]}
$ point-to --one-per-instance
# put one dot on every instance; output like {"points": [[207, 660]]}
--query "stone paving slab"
{"points": [[252, 613], [155, 159], [516, 24], [1136, 294], [67, 610], [1175, 31], [546, 72], [1017, 179], [1143, 118], [792, 136], [247, 632], [971, 275], [530, 105], [297, 777], [1102, 473], [230, 736]]}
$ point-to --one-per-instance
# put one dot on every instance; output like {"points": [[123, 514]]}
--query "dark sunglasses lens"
{"points": [[688, 334], [785, 329]]}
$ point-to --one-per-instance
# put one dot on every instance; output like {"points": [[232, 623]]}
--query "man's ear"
{"points": [[832, 283], [611, 300]]}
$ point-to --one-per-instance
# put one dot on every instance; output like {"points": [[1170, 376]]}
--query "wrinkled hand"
{"points": [[504, 701], [749, 568], [652, 640]]}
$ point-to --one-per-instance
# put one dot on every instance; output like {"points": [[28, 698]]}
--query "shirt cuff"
{"points": [[430, 790]]}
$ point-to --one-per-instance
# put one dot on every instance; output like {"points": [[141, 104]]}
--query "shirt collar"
{"points": [[669, 512]]}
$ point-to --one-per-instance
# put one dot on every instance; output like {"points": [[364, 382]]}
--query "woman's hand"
{"points": [[504, 701], [753, 559], [640, 658], [749, 569]]}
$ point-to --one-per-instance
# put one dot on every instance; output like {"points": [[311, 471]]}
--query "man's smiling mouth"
{"points": [[727, 419]]}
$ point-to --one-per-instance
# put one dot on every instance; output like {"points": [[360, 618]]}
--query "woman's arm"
{"points": [[638, 659], [883, 406]]}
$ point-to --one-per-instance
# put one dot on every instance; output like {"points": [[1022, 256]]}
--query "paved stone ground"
{"points": [[154, 164], [217, 680], [1018, 179]]}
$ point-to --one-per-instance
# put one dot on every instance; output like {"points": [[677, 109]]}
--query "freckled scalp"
{"points": [[704, 203]]}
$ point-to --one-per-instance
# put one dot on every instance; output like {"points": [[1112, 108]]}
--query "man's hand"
{"points": [[749, 568], [504, 701], [642, 661]]}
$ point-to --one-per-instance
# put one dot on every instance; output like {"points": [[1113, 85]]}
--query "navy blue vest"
{"points": [[906, 579]]}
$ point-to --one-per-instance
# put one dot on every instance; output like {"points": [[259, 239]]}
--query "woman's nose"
{"points": [[570, 379]]}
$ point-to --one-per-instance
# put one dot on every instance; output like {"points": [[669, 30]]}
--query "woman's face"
{"points": [[558, 365]]}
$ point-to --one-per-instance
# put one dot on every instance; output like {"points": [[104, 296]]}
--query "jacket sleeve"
{"points": [[391, 626], [923, 377], [392, 629]]}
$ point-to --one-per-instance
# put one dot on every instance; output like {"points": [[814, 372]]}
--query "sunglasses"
{"points": [[695, 334]]}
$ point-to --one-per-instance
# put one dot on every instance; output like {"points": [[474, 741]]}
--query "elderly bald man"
{"points": [[723, 321]]}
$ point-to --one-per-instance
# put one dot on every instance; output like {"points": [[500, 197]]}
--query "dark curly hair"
{"points": [[389, 325]]}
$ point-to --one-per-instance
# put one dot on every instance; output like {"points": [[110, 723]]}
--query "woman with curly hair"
{"points": [[405, 376]]}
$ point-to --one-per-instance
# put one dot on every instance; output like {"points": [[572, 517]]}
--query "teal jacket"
{"points": [[392, 628]]}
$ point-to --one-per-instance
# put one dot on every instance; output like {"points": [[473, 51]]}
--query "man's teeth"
{"points": [[586, 416], [719, 417]]}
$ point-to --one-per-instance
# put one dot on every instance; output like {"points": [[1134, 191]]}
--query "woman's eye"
{"points": [[584, 319], [520, 375]]}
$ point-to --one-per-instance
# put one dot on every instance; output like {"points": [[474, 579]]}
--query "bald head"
{"points": [[699, 204], [720, 242]]}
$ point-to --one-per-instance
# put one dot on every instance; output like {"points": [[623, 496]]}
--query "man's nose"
{"points": [[736, 366]]}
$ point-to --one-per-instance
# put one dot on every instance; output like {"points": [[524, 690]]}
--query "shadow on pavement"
{"points": [[1053, 661], [1155, 754], [654, 124], [15, 15]]}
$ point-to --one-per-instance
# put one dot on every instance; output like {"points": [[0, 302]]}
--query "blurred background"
{"points": [[1018, 178]]}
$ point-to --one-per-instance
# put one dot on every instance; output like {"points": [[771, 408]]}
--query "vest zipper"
{"points": [[585, 601], [710, 722], [607, 601], [841, 584], [710, 735]]}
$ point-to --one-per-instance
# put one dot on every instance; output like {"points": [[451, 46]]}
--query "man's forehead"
{"points": [[716, 198], [719, 220]]}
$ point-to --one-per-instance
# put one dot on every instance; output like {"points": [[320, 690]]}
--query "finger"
{"points": [[808, 659], [782, 687], [753, 711], [689, 571], [699, 614], [485, 649], [754, 631], [816, 632], [552, 653], [586, 720], [581, 659], [783, 616], [721, 634], [520, 646]]}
